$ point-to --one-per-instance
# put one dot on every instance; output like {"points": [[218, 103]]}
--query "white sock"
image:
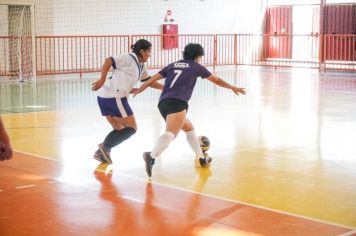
{"points": [[162, 143], [194, 144]]}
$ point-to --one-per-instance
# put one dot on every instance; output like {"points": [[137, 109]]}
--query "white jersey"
{"points": [[127, 71]]}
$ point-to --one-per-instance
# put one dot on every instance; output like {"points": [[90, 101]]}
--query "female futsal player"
{"points": [[181, 77], [112, 95]]}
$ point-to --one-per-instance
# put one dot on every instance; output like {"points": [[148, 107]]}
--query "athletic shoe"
{"points": [[106, 153], [99, 156], [149, 162]]}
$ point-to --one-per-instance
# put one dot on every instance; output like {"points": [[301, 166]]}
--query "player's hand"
{"points": [[136, 91], [237, 90], [5, 151], [97, 85]]}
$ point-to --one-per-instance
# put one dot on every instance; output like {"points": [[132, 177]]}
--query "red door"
{"points": [[339, 24], [278, 39], [354, 33]]}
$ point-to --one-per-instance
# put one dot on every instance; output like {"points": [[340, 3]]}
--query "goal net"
{"points": [[16, 38]]}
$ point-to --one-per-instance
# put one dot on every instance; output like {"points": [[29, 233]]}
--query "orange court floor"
{"points": [[284, 160]]}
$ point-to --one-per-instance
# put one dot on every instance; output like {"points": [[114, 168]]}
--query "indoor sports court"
{"points": [[283, 155]]}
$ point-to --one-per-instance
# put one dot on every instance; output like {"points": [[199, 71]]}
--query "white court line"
{"points": [[243, 203], [35, 155], [26, 186], [21, 113], [191, 157], [348, 233]]}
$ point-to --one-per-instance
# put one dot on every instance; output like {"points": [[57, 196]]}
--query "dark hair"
{"points": [[140, 44], [192, 51]]}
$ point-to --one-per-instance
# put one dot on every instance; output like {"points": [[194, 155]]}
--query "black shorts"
{"points": [[171, 105]]}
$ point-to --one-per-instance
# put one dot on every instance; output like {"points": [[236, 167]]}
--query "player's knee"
{"points": [[169, 135], [187, 129], [131, 130]]}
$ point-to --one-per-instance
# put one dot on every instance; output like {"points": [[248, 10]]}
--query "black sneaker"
{"points": [[99, 156], [204, 162], [149, 162], [106, 153]]}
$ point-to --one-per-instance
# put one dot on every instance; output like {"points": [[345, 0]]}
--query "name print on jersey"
{"points": [[181, 65]]}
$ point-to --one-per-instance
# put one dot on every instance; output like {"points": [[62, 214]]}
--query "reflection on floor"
{"points": [[288, 145]]}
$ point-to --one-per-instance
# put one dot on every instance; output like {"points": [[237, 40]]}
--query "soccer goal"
{"points": [[17, 41]]}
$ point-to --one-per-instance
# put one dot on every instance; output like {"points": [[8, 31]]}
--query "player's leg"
{"points": [[103, 153], [124, 128], [115, 124], [120, 116], [193, 142], [192, 138], [174, 112], [174, 123]]}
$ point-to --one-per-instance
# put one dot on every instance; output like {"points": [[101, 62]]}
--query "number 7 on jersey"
{"points": [[178, 73]]}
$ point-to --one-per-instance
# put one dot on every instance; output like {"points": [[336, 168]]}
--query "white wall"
{"points": [[146, 16], [115, 17], [90, 17], [3, 20]]}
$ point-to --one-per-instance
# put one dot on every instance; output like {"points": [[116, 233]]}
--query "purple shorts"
{"points": [[115, 107]]}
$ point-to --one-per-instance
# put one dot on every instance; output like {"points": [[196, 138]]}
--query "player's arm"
{"points": [[104, 71], [4, 138], [156, 85], [149, 82], [145, 76], [5, 147], [220, 82]]}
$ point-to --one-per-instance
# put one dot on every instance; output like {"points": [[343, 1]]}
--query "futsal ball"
{"points": [[204, 143]]}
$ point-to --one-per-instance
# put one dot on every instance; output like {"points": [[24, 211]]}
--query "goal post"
{"points": [[17, 41]]}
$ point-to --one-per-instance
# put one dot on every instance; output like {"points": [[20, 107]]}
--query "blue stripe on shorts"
{"points": [[118, 107]]}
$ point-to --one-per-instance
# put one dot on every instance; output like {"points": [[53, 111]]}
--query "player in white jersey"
{"points": [[113, 92]]}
